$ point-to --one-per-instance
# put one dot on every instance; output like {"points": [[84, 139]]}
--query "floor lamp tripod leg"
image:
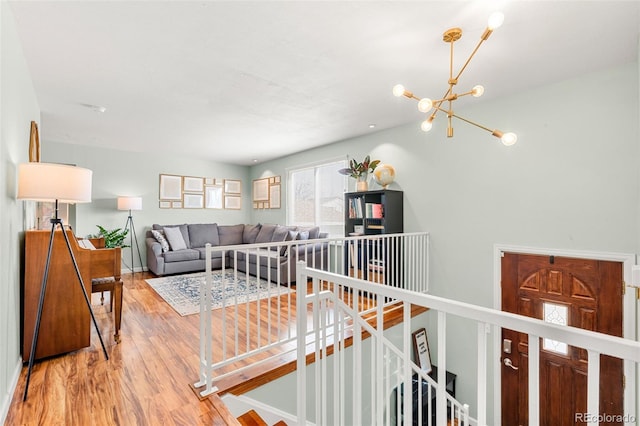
{"points": [[135, 236], [129, 226], [36, 330], [84, 292]]}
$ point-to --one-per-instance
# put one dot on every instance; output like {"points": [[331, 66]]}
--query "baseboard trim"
{"points": [[8, 396]]}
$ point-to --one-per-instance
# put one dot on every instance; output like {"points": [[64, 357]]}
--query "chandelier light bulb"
{"points": [[509, 139], [477, 91], [425, 105], [398, 90], [495, 20], [426, 125]]}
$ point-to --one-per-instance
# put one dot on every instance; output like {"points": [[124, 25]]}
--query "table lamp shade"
{"points": [[129, 203], [51, 182]]}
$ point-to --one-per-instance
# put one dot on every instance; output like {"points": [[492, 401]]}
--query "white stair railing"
{"points": [[240, 335], [343, 372]]}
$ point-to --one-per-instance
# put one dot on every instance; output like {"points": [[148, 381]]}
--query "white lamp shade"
{"points": [[129, 203], [51, 182]]}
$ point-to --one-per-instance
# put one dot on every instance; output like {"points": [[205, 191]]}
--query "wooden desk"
{"points": [[66, 323]]}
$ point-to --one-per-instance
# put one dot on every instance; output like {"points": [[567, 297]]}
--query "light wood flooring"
{"points": [[147, 379]]}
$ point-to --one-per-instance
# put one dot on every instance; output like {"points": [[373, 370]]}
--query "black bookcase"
{"points": [[378, 212], [373, 213]]}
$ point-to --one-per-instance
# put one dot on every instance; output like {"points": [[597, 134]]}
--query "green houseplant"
{"points": [[112, 238], [360, 171]]}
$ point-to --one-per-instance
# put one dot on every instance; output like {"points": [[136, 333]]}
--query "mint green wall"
{"points": [[119, 173], [571, 182], [18, 107]]}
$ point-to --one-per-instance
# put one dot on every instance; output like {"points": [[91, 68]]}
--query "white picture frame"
{"points": [[170, 187]]}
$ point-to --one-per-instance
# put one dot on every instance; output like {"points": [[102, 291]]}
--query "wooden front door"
{"points": [[577, 292]]}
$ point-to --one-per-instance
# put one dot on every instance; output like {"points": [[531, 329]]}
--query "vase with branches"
{"points": [[360, 171]]}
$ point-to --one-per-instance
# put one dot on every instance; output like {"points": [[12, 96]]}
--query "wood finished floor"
{"points": [[145, 382], [147, 379]]}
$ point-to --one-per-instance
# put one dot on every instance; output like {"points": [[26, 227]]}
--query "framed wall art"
{"points": [[261, 189], [233, 202], [274, 196], [421, 350], [170, 187], [232, 186], [193, 184], [193, 201], [213, 197]]}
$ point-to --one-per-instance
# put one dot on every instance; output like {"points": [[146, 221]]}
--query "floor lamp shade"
{"points": [[129, 203], [51, 182]]}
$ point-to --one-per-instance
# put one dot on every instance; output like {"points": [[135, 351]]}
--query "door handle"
{"points": [[508, 363]]}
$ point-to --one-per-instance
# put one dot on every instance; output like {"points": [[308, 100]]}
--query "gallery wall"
{"points": [[118, 173]]}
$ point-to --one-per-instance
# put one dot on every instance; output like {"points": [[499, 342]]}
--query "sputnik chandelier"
{"points": [[426, 104]]}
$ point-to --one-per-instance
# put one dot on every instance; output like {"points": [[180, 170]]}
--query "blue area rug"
{"points": [[182, 292]]}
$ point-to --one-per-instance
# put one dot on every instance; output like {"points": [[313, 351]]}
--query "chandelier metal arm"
{"points": [[450, 114]]}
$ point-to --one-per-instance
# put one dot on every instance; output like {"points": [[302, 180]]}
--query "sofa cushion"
{"points": [[265, 234], [203, 233], [230, 234], [314, 231], [280, 235], [215, 254], [159, 236], [183, 230], [175, 238], [250, 233], [181, 255]]}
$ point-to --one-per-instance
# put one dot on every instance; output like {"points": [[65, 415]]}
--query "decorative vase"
{"points": [[384, 174], [361, 184]]}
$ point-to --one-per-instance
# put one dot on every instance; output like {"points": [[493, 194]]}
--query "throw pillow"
{"points": [[265, 234], [250, 233], [175, 238], [291, 236], [314, 231], [303, 235], [159, 236]]}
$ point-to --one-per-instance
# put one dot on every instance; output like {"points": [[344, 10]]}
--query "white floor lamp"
{"points": [[131, 203], [57, 183]]}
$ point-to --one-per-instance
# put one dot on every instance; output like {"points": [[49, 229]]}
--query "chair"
{"points": [[106, 276]]}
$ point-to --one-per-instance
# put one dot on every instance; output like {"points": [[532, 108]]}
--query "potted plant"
{"points": [[113, 238], [360, 171]]}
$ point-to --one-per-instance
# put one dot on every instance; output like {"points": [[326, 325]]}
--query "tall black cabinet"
{"points": [[374, 213]]}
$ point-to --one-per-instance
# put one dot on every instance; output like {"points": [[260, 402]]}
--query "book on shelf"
{"points": [[355, 208], [375, 226], [374, 210]]}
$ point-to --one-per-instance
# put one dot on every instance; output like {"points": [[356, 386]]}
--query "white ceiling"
{"points": [[235, 81]]}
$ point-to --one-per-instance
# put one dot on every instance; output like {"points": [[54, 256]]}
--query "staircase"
{"points": [[252, 418]]}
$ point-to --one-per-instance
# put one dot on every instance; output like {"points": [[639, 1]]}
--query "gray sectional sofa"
{"points": [[274, 249]]}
